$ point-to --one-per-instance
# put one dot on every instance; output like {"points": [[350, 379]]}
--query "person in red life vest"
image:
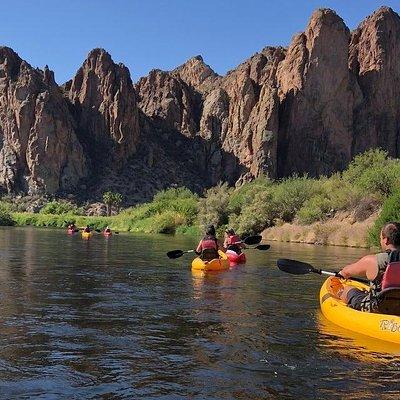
{"points": [[72, 227], [233, 242], [208, 246], [382, 270]]}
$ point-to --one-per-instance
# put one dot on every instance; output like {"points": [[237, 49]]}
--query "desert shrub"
{"points": [[213, 207], [315, 209], [290, 194], [390, 212], [243, 196], [257, 216], [374, 173], [6, 218], [60, 207]]}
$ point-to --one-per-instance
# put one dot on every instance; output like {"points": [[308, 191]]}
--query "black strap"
{"points": [[394, 256]]}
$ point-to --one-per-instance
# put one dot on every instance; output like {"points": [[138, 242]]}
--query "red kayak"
{"points": [[107, 234], [71, 231], [235, 258]]}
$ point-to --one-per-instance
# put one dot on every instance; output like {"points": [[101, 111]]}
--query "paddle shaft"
{"points": [[322, 272]]}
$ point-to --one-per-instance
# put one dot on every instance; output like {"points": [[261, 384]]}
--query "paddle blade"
{"points": [[294, 267], [175, 253], [263, 247], [252, 240]]}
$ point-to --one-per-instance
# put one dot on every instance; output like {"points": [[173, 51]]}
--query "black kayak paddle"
{"points": [[301, 268]]}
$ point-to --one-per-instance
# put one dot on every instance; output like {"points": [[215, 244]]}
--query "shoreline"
{"points": [[342, 230]]}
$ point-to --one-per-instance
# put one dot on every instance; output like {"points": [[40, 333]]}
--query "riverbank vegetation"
{"points": [[371, 182]]}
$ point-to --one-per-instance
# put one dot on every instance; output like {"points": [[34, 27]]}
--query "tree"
{"points": [[111, 199]]}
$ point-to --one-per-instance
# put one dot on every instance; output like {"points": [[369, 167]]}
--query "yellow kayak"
{"points": [[379, 326], [217, 264], [86, 235]]}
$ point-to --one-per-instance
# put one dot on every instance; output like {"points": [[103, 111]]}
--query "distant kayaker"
{"points": [[373, 267], [72, 227], [87, 229], [232, 241], [208, 246], [107, 230]]}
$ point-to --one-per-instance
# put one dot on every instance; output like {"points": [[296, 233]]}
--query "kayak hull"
{"points": [[86, 235], [378, 326], [217, 264], [235, 258]]}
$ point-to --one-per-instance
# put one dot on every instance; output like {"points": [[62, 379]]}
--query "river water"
{"points": [[115, 318]]}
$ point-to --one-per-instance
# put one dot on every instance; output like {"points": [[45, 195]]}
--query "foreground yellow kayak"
{"points": [[379, 326], [217, 264], [86, 235]]}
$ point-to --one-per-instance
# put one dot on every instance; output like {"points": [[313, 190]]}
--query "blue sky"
{"points": [[161, 33]]}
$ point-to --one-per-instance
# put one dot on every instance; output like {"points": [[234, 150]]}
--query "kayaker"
{"points": [[232, 241], [72, 227], [87, 229], [107, 230], [373, 268], [208, 246]]}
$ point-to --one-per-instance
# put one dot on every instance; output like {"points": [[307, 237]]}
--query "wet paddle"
{"points": [[178, 253], [301, 268], [251, 240], [261, 247]]}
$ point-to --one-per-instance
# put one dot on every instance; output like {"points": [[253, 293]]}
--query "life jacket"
{"points": [[232, 239], [388, 277], [209, 242], [391, 275]]}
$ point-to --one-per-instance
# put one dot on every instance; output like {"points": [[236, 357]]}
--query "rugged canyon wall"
{"points": [[104, 108], [306, 109], [39, 150]]}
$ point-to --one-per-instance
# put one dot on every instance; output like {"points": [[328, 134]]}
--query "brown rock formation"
{"points": [[105, 107], [168, 102], [375, 59], [317, 93], [39, 149], [306, 109]]}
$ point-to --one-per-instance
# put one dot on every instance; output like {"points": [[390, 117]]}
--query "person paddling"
{"points": [[374, 267], [72, 227], [107, 230], [87, 229], [208, 246], [232, 242]]}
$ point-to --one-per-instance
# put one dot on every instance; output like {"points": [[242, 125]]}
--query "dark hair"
{"points": [[230, 231], [210, 230], [391, 231]]}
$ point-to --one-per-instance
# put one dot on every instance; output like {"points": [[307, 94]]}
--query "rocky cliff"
{"points": [[39, 147], [308, 108]]}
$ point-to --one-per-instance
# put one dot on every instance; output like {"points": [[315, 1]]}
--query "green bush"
{"points": [[60, 207], [213, 207], [257, 216], [374, 173], [6, 218], [290, 194], [241, 197], [390, 212], [315, 209]]}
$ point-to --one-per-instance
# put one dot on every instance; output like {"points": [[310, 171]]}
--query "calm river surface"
{"points": [[114, 319]]}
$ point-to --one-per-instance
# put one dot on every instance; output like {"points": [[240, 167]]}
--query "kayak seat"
{"points": [[209, 254], [389, 301]]}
